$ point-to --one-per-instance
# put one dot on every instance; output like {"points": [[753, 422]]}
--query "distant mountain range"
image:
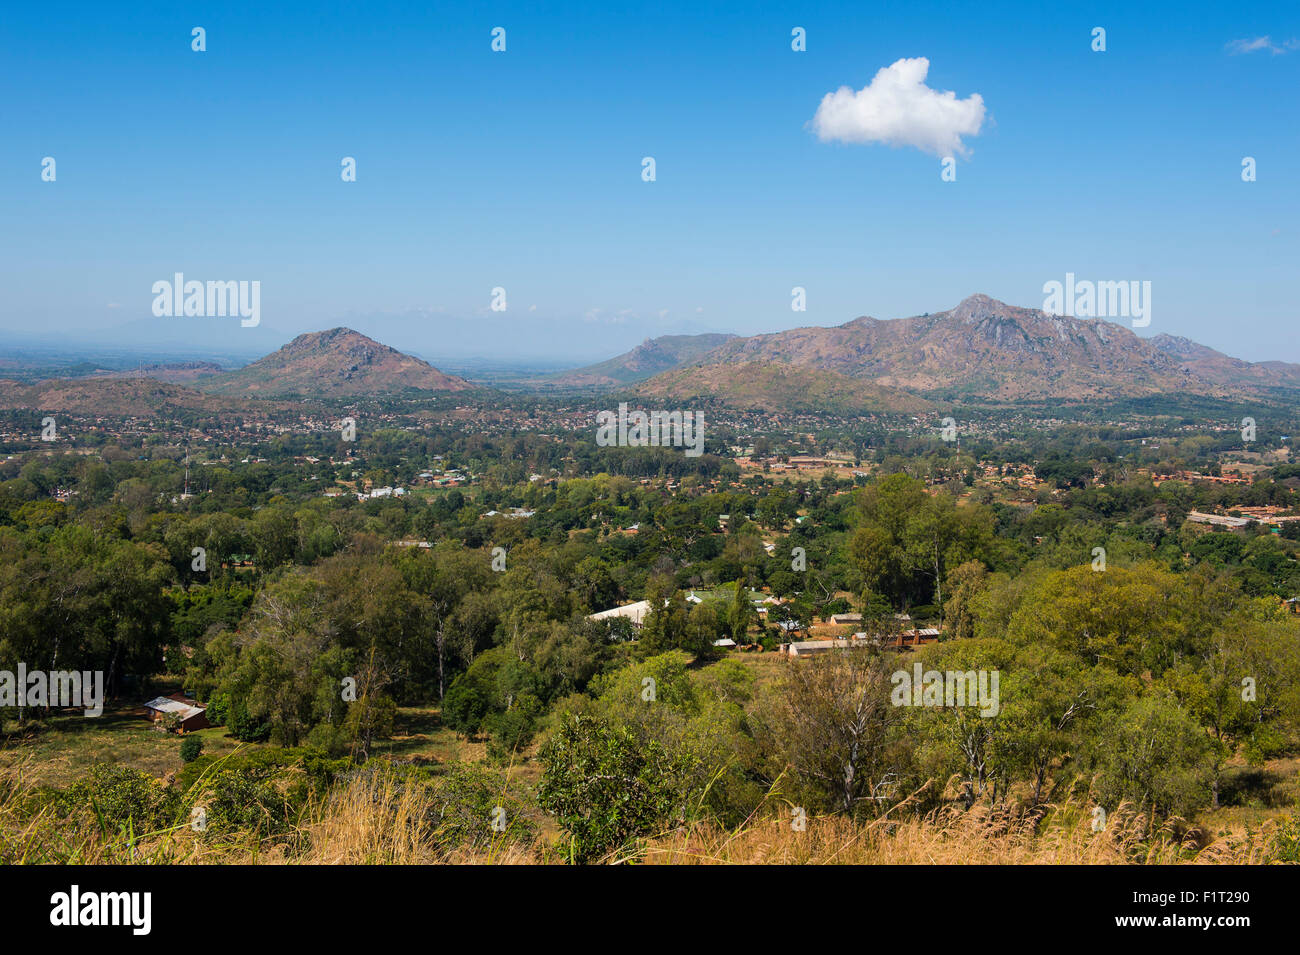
{"points": [[651, 357], [1217, 368], [180, 372], [119, 397], [981, 350]]}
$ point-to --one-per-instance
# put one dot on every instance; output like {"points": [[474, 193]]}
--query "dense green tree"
{"points": [[606, 786]]}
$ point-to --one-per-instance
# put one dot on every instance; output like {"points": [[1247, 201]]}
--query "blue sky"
{"points": [[522, 169]]}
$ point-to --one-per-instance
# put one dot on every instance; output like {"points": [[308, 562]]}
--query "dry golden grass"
{"points": [[979, 836], [375, 820]]}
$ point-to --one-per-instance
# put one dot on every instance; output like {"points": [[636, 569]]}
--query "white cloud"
{"points": [[604, 317], [898, 109], [1237, 47]]}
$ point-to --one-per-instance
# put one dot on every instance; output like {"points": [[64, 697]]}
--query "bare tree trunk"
{"points": [[442, 643]]}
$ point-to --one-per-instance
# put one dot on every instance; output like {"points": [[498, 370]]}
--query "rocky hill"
{"points": [[338, 362]]}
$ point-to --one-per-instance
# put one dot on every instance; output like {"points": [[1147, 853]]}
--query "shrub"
{"points": [[218, 710], [1286, 842], [469, 800], [245, 799], [606, 787], [329, 739], [513, 729], [245, 727], [191, 748], [118, 797]]}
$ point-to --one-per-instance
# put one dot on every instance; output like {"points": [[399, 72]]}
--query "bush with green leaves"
{"points": [[218, 710], [329, 739], [512, 729], [244, 726], [263, 759], [1155, 756], [119, 797], [474, 811], [245, 799], [498, 695], [1285, 847], [606, 786], [191, 748]]}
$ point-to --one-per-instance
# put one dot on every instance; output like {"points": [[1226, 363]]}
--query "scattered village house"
{"points": [[807, 648], [187, 711], [636, 613], [901, 641]]}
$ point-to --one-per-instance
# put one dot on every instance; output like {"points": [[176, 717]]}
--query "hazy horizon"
{"points": [[208, 338]]}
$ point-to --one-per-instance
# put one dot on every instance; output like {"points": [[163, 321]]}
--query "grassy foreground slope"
{"points": [[381, 818]]}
